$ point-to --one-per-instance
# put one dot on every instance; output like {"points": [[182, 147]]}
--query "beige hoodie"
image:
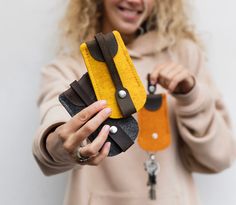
{"points": [[202, 140]]}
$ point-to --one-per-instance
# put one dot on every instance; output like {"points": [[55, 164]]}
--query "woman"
{"points": [[161, 42]]}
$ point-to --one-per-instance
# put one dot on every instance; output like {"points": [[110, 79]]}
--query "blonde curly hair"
{"points": [[82, 21]]}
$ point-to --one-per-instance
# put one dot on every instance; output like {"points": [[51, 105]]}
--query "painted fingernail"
{"points": [[152, 81], [103, 102], [108, 144], [106, 128], [107, 110]]}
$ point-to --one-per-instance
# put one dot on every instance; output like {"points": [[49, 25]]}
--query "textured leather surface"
{"points": [[103, 84], [73, 101]]}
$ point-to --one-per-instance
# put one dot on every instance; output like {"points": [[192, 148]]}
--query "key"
{"points": [[152, 168], [152, 184]]}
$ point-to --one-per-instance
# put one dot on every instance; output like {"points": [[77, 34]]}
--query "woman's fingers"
{"points": [[174, 71], [74, 132], [67, 130], [155, 73], [83, 116], [173, 77], [75, 139], [159, 71], [183, 78], [93, 148], [96, 160]]}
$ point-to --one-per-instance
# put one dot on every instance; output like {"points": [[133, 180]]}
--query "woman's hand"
{"points": [[79, 127], [173, 77]]}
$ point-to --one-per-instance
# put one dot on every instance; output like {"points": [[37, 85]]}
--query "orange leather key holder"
{"points": [[154, 132]]}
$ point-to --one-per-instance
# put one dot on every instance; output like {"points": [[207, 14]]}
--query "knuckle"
{"points": [[102, 116], [175, 81], [163, 75], [62, 132], [88, 128], [162, 72], [162, 81], [82, 116], [96, 106], [168, 78], [69, 148], [91, 151], [172, 79]]}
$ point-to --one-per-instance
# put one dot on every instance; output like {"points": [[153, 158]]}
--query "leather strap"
{"points": [[120, 137], [101, 41], [125, 104], [122, 140], [95, 51], [150, 87], [79, 91]]}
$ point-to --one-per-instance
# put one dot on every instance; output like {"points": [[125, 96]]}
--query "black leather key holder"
{"points": [[123, 131]]}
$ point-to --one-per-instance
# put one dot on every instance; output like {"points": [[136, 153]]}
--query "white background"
{"points": [[28, 41]]}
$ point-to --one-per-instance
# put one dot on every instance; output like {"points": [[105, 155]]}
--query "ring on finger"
{"points": [[80, 158]]}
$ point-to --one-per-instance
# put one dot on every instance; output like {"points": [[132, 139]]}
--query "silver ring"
{"points": [[79, 157]]}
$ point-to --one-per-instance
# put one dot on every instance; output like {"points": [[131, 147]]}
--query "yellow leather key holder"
{"points": [[154, 132], [113, 75]]}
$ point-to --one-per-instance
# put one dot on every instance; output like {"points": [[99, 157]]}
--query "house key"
{"points": [[152, 167]]}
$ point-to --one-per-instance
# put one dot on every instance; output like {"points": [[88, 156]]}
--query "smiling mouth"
{"points": [[130, 11]]}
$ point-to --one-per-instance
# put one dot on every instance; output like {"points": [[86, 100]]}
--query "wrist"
{"points": [[55, 148], [185, 86], [188, 97]]}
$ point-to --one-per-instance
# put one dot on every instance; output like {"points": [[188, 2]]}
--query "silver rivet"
{"points": [[151, 88], [153, 157], [155, 136], [113, 129], [122, 94]]}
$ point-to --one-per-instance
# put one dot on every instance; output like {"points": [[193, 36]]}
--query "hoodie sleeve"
{"points": [[206, 142], [55, 79]]}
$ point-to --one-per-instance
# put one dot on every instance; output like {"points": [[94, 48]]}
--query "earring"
{"points": [[140, 31]]}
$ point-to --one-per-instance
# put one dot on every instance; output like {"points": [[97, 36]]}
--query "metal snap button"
{"points": [[155, 135], [151, 88], [122, 94], [113, 129]]}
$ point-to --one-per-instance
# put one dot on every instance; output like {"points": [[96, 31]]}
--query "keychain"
{"points": [[152, 167], [154, 132]]}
